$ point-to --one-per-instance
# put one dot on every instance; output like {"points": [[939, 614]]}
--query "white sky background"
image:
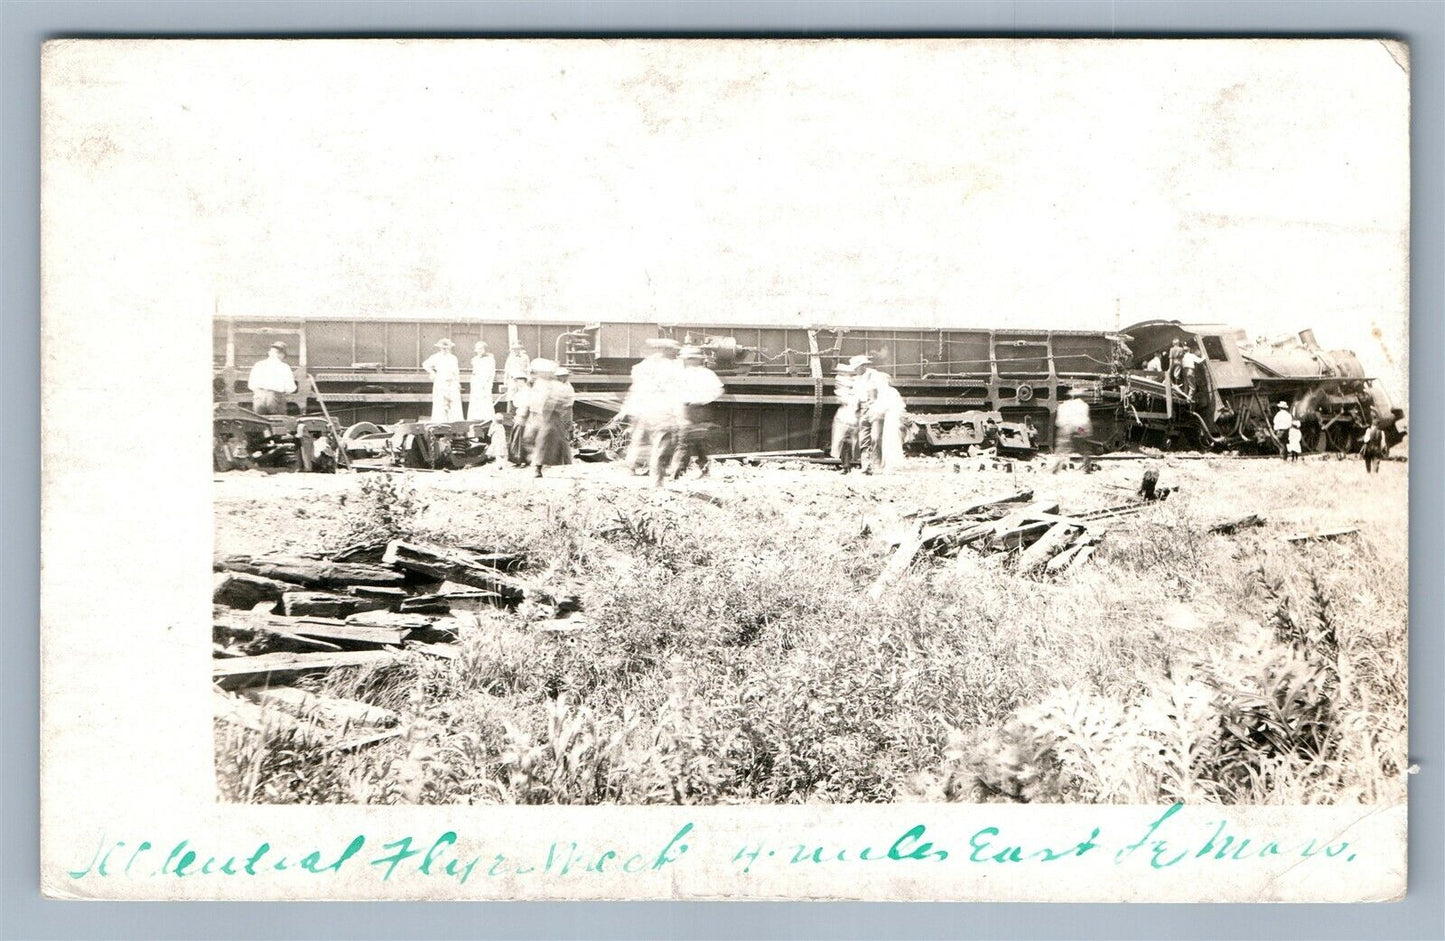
{"points": [[972, 183]]}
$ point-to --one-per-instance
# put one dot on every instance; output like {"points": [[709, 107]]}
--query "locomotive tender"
{"points": [[778, 379]]}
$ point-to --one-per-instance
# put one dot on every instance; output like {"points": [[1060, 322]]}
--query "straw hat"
{"points": [[444, 344], [545, 367], [862, 359], [479, 347], [1281, 405], [691, 352]]}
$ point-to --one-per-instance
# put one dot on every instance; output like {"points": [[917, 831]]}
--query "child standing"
{"points": [[1295, 441]]}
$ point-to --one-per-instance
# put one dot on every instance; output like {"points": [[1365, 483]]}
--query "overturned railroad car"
{"points": [[778, 380]]}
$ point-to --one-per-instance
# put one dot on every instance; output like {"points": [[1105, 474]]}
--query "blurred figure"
{"points": [[1373, 448], [446, 382], [1283, 422], [1072, 426], [271, 381], [1155, 364], [542, 413], [517, 372], [845, 419], [887, 420], [699, 387], [564, 376], [652, 403], [484, 377], [1295, 441], [867, 388]]}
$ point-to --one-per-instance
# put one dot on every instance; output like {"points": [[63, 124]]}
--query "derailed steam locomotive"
{"points": [[960, 385]]}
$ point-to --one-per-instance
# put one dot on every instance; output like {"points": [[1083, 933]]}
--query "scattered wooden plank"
{"points": [[258, 718], [268, 667], [444, 651], [749, 455], [447, 565], [448, 601], [272, 632], [1230, 527], [561, 626], [1323, 534], [1036, 556], [324, 604], [315, 573], [328, 709], [369, 553], [973, 508], [496, 558], [903, 557], [239, 590], [351, 634], [391, 619]]}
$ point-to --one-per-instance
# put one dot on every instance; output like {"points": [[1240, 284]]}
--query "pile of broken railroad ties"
{"points": [[278, 618], [1040, 539]]}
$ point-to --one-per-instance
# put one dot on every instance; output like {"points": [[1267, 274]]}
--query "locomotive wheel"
{"points": [[1341, 437], [358, 430]]}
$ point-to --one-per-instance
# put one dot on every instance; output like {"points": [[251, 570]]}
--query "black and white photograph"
{"points": [[797, 423]]}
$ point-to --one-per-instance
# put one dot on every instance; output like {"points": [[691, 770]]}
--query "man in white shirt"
{"points": [[271, 381], [652, 405], [1283, 422], [1188, 369], [446, 382], [1072, 427], [484, 376], [698, 388], [517, 371]]}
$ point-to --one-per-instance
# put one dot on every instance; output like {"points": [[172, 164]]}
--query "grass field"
{"points": [[733, 654]]}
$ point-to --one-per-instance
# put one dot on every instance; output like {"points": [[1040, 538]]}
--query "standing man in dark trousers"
{"points": [[271, 381]]}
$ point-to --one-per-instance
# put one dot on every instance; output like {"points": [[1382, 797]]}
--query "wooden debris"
{"points": [[258, 718], [369, 553], [496, 558], [314, 573], [563, 625], [1230, 527], [323, 604], [444, 651], [903, 557], [455, 566], [239, 590], [1056, 539], [266, 667], [448, 601], [260, 628], [350, 635], [1322, 534], [328, 709], [391, 619]]}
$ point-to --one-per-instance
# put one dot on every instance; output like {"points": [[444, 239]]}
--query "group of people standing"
{"points": [[669, 406], [539, 398], [868, 425], [1182, 364]]}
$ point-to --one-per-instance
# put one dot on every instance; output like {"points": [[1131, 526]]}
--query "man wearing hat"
{"points": [[517, 373], [446, 382], [271, 381], [867, 384], [652, 404], [1283, 422], [699, 387], [1072, 427]]}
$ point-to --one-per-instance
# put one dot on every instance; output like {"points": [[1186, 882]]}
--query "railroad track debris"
{"points": [[1041, 539], [278, 618]]}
